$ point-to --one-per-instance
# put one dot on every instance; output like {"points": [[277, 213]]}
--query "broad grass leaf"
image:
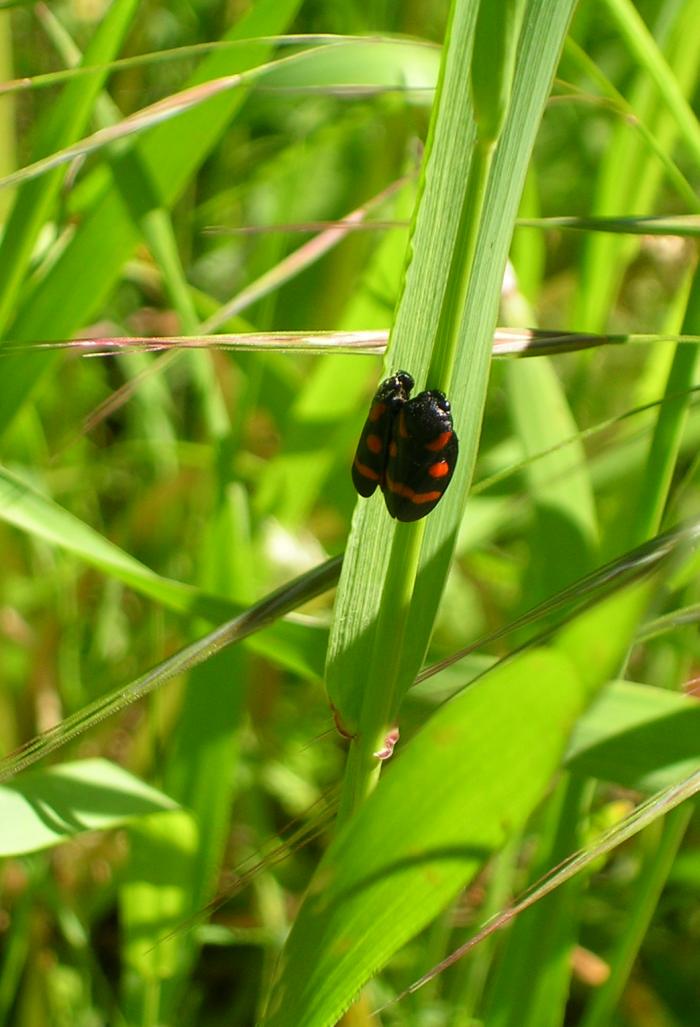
{"points": [[44, 808], [466, 782]]}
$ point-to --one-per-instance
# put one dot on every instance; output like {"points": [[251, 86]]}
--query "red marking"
{"points": [[407, 493], [374, 444], [439, 470], [403, 430], [376, 411], [440, 442], [393, 449], [367, 472]]}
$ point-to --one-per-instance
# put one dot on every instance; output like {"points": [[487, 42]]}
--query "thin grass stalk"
{"points": [[670, 422], [675, 176], [642, 45], [381, 696]]}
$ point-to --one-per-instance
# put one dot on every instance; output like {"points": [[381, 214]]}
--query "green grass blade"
{"points": [[105, 238], [35, 201], [275, 605], [416, 325], [656, 480], [637, 736], [152, 901], [48, 807], [39, 516], [28, 510], [627, 184], [647, 813], [424, 831], [642, 44], [662, 849], [533, 992], [565, 529]]}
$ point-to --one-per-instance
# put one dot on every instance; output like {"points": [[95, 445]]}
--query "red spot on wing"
{"points": [[367, 472], [375, 444], [439, 470], [376, 411], [406, 492], [393, 449], [440, 442]]}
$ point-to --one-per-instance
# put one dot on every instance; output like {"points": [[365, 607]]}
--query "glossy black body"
{"points": [[369, 465], [408, 447]]}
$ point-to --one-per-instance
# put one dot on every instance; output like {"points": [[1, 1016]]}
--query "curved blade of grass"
{"points": [[624, 570], [627, 183], [673, 173], [644, 47], [258, 616], [39, 516], [28, 510], [48, 807], [55, 78], [449, 802], [637, 736], [382, 69], [104, 237], [645, 814], [63, 124]]}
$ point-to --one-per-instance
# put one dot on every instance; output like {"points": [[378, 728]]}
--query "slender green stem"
{"points": [[665, 445], [382, 689]]}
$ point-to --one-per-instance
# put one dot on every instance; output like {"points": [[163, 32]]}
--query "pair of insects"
{"points": [[408, 447]]}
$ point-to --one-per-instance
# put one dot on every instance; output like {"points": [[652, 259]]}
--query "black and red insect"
{"points": [[408, 447]]}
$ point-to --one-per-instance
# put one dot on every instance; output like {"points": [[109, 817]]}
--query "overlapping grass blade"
{"points": [[105, 238], [254, 619], [49, 806]]}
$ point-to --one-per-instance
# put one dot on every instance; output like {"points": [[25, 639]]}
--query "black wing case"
{"points": [[369, 465], [423, 452]]}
